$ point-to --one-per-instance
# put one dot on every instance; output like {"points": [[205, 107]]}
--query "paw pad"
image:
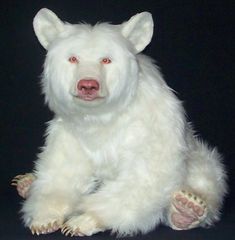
{"points": [[187, 210]]}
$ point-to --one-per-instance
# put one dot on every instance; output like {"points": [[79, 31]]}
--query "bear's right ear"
{"points": [[47, 26], [139, 30]]}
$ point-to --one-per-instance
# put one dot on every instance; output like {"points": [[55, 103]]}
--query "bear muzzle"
{"points": [[88, 89]]}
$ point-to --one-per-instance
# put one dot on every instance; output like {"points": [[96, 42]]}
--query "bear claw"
{"points": [[49, 228], [66, 230]]}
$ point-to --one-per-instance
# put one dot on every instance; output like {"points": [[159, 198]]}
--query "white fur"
{"points": [[121, 158]]}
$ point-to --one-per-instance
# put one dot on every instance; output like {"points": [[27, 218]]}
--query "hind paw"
{"points": [[23, 183], [187, 211]]}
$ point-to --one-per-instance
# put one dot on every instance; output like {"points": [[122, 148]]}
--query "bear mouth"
{"points": [[88, 97]]}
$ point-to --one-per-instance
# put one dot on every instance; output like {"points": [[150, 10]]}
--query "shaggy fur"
{"points": [[114, 163]]}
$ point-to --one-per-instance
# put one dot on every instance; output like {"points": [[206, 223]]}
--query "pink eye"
{"points": [[106, 61], [73, 59]]}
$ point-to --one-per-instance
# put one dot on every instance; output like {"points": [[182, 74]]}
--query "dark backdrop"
{"points": [[192, 43]]}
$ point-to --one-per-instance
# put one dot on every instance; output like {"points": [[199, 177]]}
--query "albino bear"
{"points": [[119, 153]]}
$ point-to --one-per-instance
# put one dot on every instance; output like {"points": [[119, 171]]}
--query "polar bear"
{"points": [[119, 153]]}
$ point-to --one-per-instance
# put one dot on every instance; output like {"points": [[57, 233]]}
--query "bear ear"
{"points": [[139, 30], [47, 26]]}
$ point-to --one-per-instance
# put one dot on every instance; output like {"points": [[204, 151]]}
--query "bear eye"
{"points": [[106, 60], [73, 59]]}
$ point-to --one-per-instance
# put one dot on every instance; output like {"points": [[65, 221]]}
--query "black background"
{"points": [[192, 43]]}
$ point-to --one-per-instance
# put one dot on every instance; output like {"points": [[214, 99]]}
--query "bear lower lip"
{"points": [[88, 97]]}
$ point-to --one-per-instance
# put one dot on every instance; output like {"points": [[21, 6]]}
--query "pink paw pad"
{"points": [[187, 211]]}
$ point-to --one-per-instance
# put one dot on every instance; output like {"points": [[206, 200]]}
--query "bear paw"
{"points": [[23, 183], [45, 228], [187, 211], [83, 225]]}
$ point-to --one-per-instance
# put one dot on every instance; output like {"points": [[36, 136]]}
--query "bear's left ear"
{"points": [[47, 26], [139, 30]]}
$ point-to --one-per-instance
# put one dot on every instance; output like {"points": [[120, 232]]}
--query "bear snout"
{"points": [[88, 89]]}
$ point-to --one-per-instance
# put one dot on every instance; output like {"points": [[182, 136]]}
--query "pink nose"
{"points": [[88, 86]]}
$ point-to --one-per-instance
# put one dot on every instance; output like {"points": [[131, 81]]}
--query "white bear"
{"points": [[119, 154]]}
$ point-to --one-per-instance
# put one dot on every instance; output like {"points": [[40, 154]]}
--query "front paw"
{"points": [[45, 226], [83, 225]]}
